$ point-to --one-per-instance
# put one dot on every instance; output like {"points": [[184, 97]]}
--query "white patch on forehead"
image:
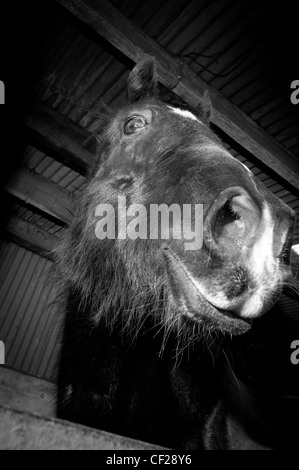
{"points": [[184, 113]]}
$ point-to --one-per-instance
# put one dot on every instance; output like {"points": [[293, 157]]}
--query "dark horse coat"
{"points": [[160, 341]]}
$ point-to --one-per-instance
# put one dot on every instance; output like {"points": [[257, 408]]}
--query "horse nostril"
{"points": [[239, 284], [231, 222]]}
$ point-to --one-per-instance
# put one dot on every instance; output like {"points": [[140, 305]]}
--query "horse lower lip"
{"points": [[230, 314], [225, 320], [199, 307]]}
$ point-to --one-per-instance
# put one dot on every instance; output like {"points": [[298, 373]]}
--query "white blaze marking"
{"points": [[184, 113], [246, 168], [262, 267], [262, 260]]}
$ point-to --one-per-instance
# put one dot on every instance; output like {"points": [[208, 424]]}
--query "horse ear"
{"points": [[142, 81], [204, 109]]}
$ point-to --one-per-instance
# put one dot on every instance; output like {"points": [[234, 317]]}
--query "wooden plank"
{"points": [[24, 431], [23, 397], [108, 22], [42, 193], [30, 236], [65, 140], [25, 392]]}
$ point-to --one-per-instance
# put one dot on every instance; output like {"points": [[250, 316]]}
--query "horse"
{"points": [[155, 319]]}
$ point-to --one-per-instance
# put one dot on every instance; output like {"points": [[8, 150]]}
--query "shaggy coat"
{"points": [[160, 343]]}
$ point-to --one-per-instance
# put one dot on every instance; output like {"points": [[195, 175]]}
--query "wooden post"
{"points": [[26, 431]]}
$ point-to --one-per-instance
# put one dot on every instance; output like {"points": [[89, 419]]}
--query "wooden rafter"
{"points": [[62, 138], [30, 236], [42, 193]]}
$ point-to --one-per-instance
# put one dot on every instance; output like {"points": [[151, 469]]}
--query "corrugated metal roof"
{"points": [[25, 212], [29, 328], [44, 165]]}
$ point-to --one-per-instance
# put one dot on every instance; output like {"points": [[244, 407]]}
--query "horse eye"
{"points": [[134, 124]]}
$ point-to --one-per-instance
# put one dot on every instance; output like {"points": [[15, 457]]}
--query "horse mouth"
{"points": [[198, 308]]}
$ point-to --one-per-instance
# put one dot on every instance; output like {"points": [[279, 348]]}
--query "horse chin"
{"points": [[196, 306]]}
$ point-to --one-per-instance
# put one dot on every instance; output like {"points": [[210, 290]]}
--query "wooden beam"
{"points": [[25, 392], [108, 22], [22, 395], [42, 193], [24, 431], [30, 236], [65, 140]]}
